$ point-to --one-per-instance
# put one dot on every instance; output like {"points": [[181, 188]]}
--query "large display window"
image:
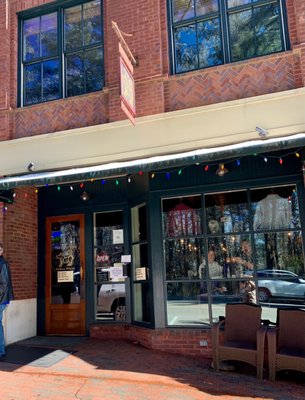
{"points": [[235, 246]]}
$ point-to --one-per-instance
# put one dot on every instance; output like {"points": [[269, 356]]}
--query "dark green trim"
{"points": [[157, 270], [50, 7], [58, 7]]}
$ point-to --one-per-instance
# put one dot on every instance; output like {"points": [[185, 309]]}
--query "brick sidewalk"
{"points": [[123, 370]]}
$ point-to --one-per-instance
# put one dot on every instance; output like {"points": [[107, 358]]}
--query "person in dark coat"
{"points": [[6, 295]]}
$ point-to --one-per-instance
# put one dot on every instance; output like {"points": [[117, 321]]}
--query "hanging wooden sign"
{"points": [[127, 94]]}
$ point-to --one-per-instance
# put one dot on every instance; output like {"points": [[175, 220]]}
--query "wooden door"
{"points": [[65, 275]]}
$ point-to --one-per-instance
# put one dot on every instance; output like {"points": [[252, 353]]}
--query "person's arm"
{"points": [[201, 270], [245, 264], [3, 278]]}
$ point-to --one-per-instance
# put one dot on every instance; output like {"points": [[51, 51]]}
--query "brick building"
{"points": [[138, 231]]}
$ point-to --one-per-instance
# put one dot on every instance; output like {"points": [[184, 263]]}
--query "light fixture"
{"points": [[31, 167], [221, 170], [85, 196], [261, 131]]}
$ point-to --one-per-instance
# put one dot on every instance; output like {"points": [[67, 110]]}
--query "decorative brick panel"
{"points": [[4, 123], [230, 82], [150, 98], [61, 115]]}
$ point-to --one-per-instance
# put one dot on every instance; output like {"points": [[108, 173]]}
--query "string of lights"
{"points": [[222, 168]]}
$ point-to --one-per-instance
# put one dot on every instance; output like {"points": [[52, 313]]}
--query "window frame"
{"points": [[208, 237], [61, 52], [223, 14], [111, 219], [142, 308]]}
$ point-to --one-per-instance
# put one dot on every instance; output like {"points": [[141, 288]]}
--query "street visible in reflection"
{"points": [[193, 313]]}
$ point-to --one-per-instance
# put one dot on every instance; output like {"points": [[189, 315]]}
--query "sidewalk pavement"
{"points": [[114, 369]]}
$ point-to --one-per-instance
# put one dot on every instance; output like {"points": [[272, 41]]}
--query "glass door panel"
{"points": [[65, 275], [110, 272], [65, 254]]}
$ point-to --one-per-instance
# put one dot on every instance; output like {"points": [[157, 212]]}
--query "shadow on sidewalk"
{"points": [[120, 359], [34, 356]]}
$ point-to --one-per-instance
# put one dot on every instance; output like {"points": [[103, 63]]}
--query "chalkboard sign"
{"points": [[101, 275]]}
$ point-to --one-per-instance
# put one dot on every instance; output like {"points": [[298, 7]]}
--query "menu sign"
{"points": [[116, 272], [65, 276], [141, 274], [102, 275]]}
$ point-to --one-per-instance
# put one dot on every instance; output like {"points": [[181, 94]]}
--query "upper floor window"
{"points": [[62, 52], [206, 33]]}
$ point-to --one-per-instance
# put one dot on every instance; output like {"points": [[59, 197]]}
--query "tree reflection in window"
{"points": [[182, 258], [255, 32], [247, 28], [80, 59]]}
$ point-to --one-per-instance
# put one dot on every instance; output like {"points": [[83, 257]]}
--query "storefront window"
{"points": [[248, 248], [280, 250], [275, 208], [183, 254], [182, 216], [185, 305], [227, 212], [183, 257], [230, 256], [234, 291], [110, 273]]}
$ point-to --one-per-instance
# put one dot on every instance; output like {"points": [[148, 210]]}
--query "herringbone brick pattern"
{"points": [[231, 82], [62, 115]]}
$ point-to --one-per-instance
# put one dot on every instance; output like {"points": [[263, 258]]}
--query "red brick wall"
{"points": [[296, 17], [182, 341], [155, 91], [19, 236]]}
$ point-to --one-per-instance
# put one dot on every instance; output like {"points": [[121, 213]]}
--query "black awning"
{"points": [[155, 163]]}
